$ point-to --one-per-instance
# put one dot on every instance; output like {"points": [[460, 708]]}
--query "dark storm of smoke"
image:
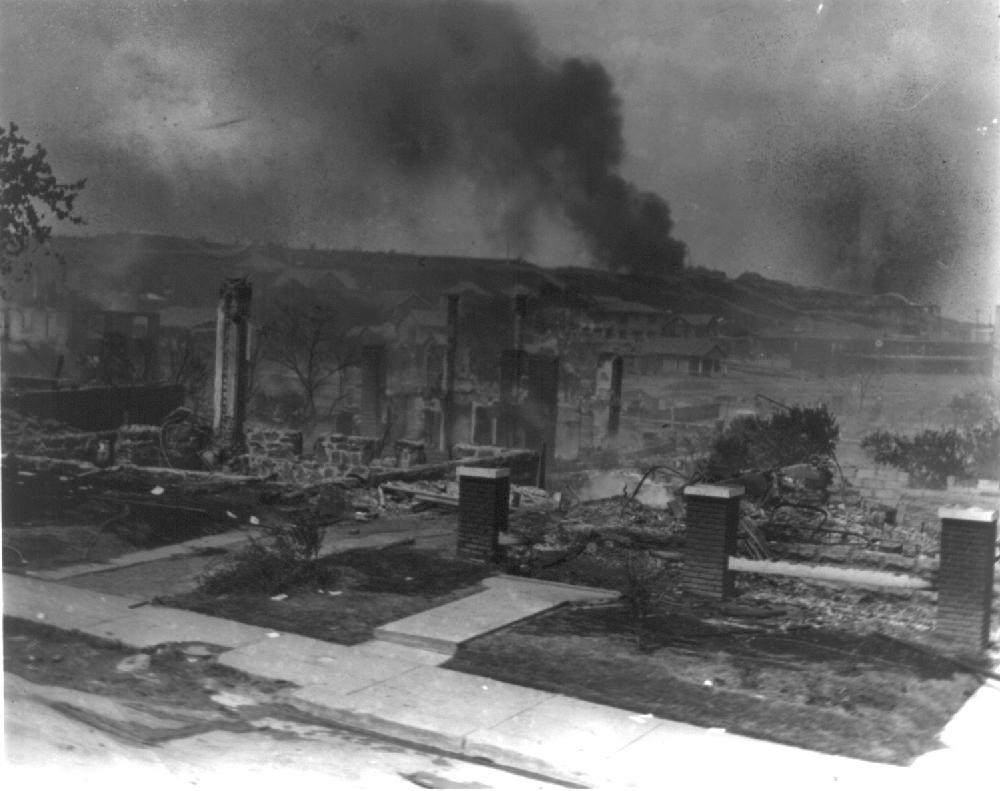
{"points": [[878, 223], [468, 89], [358, 107], [884, 173]]}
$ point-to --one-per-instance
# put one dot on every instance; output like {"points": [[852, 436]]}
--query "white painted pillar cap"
{"points": [[482, 472], [721, 492], [967, 514]]}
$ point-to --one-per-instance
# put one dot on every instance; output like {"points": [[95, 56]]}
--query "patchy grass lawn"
{"points": [[835, 692], [364, 588], [809, 665]]}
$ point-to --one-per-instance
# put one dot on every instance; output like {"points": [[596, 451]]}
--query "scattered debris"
{"points": [[197, 650], [133, 664], [231, 700]]}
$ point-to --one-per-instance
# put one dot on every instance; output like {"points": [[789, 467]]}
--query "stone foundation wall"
{"points": [[304, 472], [345, 451], [277, 452], [274, 443], [136, 445], [140, 446], [82, 446]]}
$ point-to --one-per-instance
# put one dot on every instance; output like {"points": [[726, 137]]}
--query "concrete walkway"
{"points": [[401, 691], [506, 600]]}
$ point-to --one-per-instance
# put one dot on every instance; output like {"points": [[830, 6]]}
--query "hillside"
{"points": [[186, 273]]}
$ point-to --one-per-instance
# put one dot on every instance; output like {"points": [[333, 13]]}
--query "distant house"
{"points": [[696, 325], [519, 291], [692, 356], [117, 344], [33, 341], [23, 326], [463, 290], [611, 318], [372, 334], [422, 342], [394, 304], [420, 326]]}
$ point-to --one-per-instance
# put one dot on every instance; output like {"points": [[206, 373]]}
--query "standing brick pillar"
{"points": [[713, 517], [965, 578], [483, 503]]}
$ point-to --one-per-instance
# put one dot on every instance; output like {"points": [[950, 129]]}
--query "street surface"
{"points": [[57, 734]]}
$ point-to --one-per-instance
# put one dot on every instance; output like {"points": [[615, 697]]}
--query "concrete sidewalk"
{"points": [[399, 690]]}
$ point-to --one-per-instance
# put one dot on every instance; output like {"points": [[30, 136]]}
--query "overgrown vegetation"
{"points": [[642, 577], [354, 592], [792, 436], [286, 557], [933, 455]]}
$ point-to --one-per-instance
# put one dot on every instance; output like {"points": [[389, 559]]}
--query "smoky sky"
{"points": [[849, 143], [264, 120]]}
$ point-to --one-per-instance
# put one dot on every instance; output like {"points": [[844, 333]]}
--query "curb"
{"points": [[381, 726]]}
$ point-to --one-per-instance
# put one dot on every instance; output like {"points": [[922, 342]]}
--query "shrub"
{"points": [[792, 436], [642, 577], [973, 407], [285, 558], [933, 455]]}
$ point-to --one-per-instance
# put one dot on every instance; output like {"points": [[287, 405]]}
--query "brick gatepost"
{"points": [[965, 577], [483, 508], [713, 516]]}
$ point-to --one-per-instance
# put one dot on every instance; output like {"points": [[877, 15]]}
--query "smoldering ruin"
{"points": [[393, 332]]}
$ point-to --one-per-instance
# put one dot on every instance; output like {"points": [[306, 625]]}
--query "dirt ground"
{"points": [[176, 682], [52, 520]]}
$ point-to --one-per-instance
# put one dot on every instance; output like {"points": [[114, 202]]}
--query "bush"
{"points": [[974, 408], [933, 455], [792, 436], [642, 577], [285, 558]]}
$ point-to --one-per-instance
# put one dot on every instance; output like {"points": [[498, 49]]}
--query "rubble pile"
{"points": [[418, 495], [31, 436], [16, 425], [837, 525]]}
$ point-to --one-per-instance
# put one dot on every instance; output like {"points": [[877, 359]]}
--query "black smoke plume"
{"points": [[236, 118]]}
